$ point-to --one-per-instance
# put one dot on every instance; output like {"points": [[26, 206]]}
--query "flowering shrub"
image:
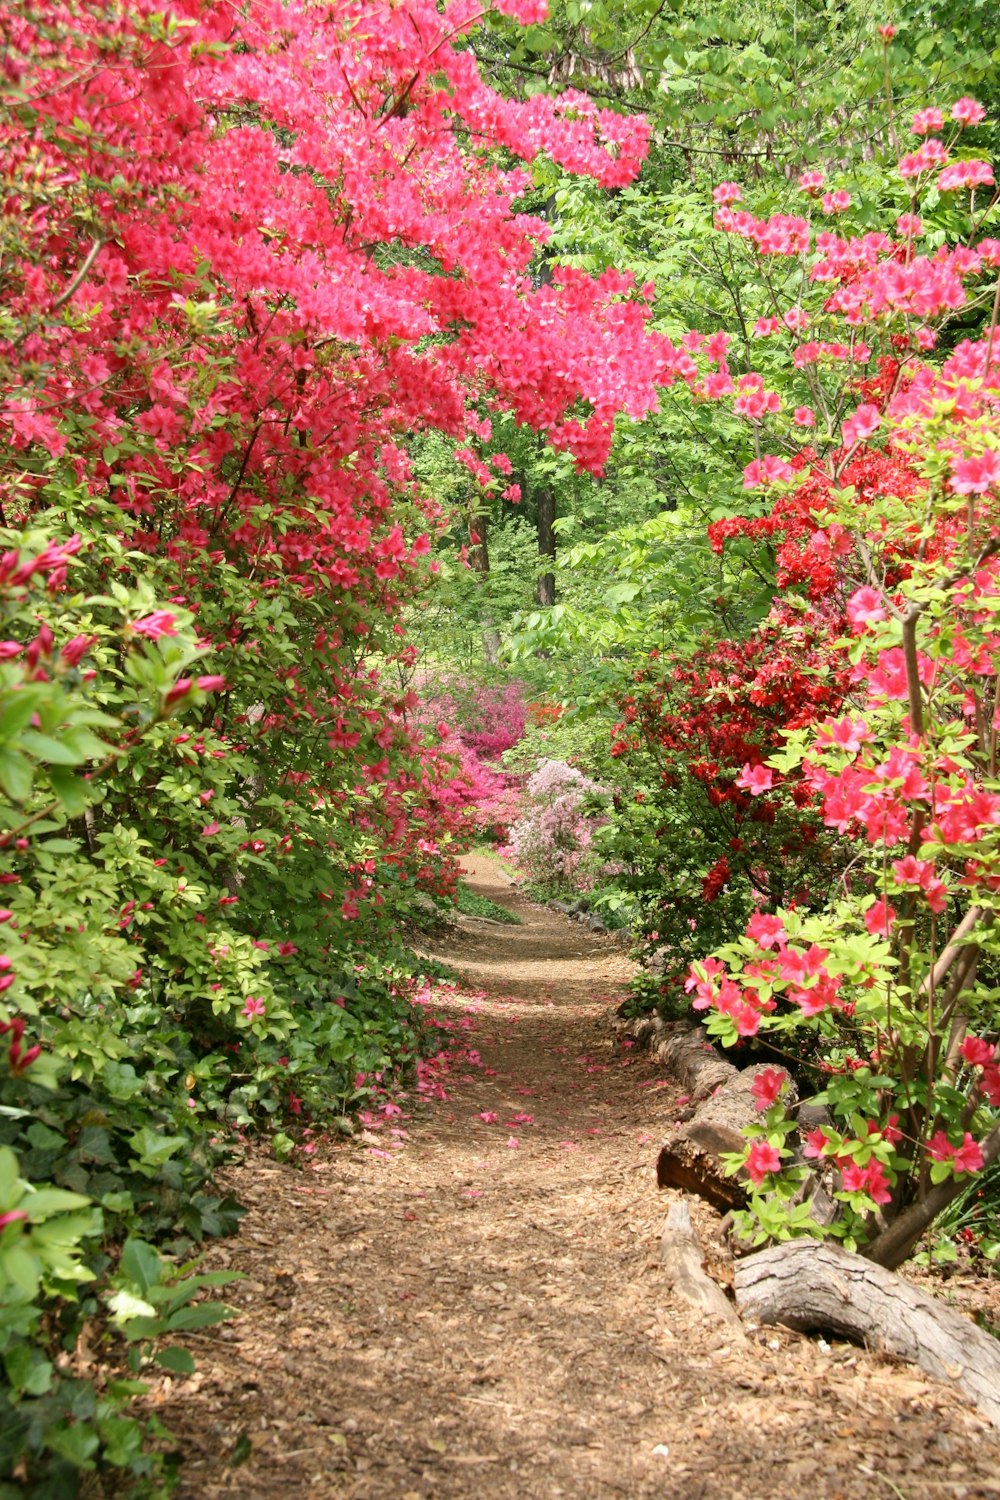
{"points": [[488, 718], [551, 840], [475, 723], [214, 800], [704, 832], [889, 986]]}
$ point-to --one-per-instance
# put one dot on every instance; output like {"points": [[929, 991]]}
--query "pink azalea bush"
{"points": [[552, 838], [475, 723], [214, 802]]}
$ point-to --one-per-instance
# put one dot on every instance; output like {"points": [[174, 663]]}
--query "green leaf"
{"points": [[242, 1449], [44, 1138], [16, 774], [179, 1361], [78, 1443], [45, 1201], [19, 1267], [9, 1174], [27, 1370], [48, 750], [17, 711], [537, 39], [141, 1263], [201, 1315], [126, 1305], [71, 790], [152, 1148]]}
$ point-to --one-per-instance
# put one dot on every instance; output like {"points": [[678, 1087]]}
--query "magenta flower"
{"points": [[755, 779], [762, 1160], [767, 1087], [766, 931], [161, 622]]}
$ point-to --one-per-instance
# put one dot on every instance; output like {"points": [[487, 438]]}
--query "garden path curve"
{"points": [[480, 1312]]}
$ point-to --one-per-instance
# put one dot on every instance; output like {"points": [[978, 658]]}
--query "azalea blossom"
{"points": [[865, 607], [762, 1160], [765, 930], [815, 1142], [768, 470], [926, 120], [861, 425], [756, 779], [869, 1179], [768, 1086], [968, 1157], [965, 174], [967, 111], [727, 192], [974, 476], [160, 623], [978, 1051]]}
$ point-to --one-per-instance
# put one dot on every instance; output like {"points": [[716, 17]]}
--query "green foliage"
{"points": [[54, 1426], [971, 1222], [472, 904], [162, 1017]]}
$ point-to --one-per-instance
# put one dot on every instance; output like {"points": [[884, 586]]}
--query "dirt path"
{"points": [[480, 1312]]}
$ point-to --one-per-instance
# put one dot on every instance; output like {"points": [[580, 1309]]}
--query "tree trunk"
{"points": [[812, 1286], [545, 589], [688, 1055], [684, 1264], [479, 562]]}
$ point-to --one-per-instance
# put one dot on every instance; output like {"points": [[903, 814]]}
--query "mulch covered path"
{"points": [[473, 1308]]}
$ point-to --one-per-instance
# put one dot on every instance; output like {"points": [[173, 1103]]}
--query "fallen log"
{"points": [[686, 1052], [690, 1158], [684, 1263], [812, 1286]]}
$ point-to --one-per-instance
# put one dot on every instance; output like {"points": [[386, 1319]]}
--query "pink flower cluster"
{"points": [[551, 838], [798, 974]]}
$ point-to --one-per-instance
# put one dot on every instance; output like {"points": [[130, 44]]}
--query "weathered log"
{"points": [[690, 1158], [684, 1263], [688, 1055], [820, 1287]]}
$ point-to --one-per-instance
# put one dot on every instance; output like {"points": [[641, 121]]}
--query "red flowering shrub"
{"points": [[711, 831]]}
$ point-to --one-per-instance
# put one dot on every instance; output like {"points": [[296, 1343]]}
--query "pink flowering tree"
{"points": [[211, 382], [248, 253], [887, 993]]}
